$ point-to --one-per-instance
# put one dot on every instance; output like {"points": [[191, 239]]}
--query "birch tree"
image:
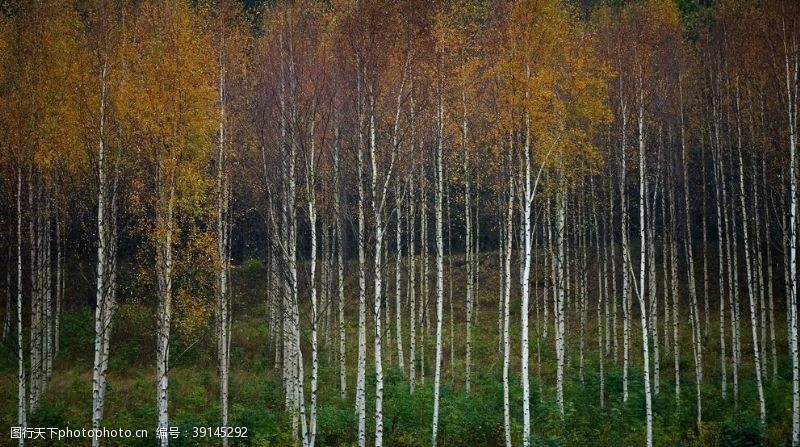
{"points": [[226, 37], [169, 76], [440, 181], [100, 32]]}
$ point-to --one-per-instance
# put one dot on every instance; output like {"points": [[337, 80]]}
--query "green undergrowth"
{"points": [[466, 419]]}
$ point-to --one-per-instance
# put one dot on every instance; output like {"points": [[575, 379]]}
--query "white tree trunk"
{"points": [[501, 279], [398, 309], [527, 195], [424, 290], [412, 289], [439, 262], [641, 292], [673, 261], [560, 295], [768, 237], [758, 272], [721, 273], [326, 280], [340, 266], [733, 278], [665, 244], [582, 287], [468, 247], [47, 330], [506, 303], [748, 268], [223, 234], [697, 336], [706, 309], [613, 259], [377, 213], [626, 287], [164, 223], [21, 394], [362, 296], [386, 341], [652, 287], [35, 241], [59, 285], [602, 297], [105, 288], [450, 283], [476, 259], [791, 63], [310, 433]]}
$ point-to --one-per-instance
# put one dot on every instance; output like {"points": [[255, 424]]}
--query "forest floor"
{"points": [[466, 419]]}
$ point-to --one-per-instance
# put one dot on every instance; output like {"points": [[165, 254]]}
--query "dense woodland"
{"points": [[406, 223]]}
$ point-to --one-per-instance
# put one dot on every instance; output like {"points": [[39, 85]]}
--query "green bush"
{"points": [[742, 431], [49, 414], [264, 427], [335, 421], [470, 419]]}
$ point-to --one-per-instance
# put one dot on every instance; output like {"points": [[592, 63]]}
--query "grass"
{"points": [[466, 419]]}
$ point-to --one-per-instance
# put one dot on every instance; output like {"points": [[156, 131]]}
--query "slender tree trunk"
{"points": [[641, 292], [539, 323], [386, 340], [768, 243], [506, 304], [791, 96], [21, 382], [47, 332], [614, 290], [7, 315], [527, 229], [706, 308], [398, 315], [665, 280], [583, 223], [105, 286], [626, 287], [696, 337], [733, 279], [560, 296], [722, 291], [164, 223], [501, 277], [412, 270], [273, 330], [311, 432], [59, 285], [362, 291], [748, 268], [568, 298], [602, 296], [468, 251], [439, 261], [327, 284], [377, 209], [673, 261], [424, 289], [450, 285], [223, 233], [340, 265], [554, 273], [476, 259], [759, 273], [652, 288], [298, 370], [34, 237]]}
